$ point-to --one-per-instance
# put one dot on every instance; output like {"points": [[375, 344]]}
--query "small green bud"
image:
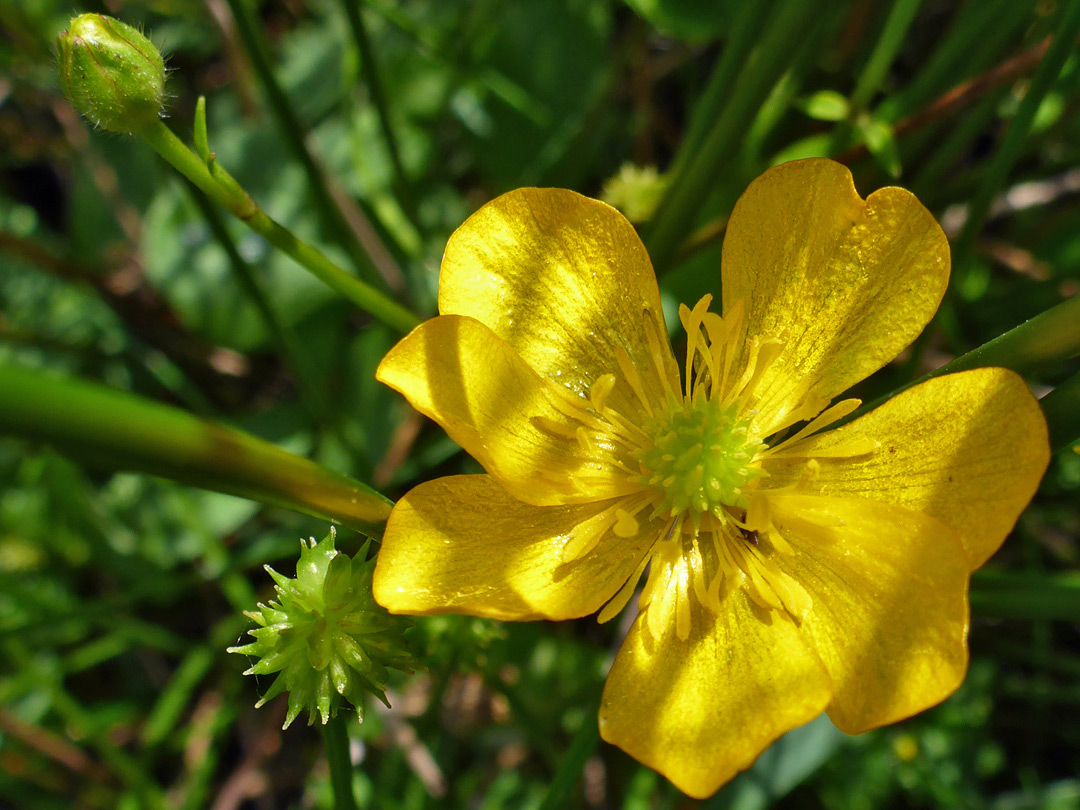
{"points": [[111, 73], [636, 191], [325, 636]]}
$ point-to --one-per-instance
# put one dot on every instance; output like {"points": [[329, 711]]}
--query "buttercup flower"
{"points": [[791, 570]]}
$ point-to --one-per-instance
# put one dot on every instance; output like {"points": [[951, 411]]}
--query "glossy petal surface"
{"points": [[458, 372], [462, 544], [968, 449], [563, 279], [701, 710], [890, 615], [844, 284]]}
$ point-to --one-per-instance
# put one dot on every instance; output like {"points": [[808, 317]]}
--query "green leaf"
{"points": [[693, 20], [826, 105]]}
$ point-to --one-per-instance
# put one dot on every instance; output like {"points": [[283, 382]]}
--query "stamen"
{"points": [[660, 349], [832, 414], [631, 375], [600, 391], [616, 604], [626, 525]]}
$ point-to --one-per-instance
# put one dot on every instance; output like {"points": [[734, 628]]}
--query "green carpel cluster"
{"points": [[325, 635], [700, 460]]}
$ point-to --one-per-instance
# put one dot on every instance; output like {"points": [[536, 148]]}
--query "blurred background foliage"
{"points": [[372, 129]]}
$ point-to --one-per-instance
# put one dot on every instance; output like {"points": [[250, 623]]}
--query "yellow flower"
{"points": [[791, 570]]}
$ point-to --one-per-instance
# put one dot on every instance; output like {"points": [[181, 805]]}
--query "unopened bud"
{"points": [[111, 73]]}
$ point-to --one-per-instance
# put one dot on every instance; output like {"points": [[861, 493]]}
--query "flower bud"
{"points": [[111, 73], [325, 636]]}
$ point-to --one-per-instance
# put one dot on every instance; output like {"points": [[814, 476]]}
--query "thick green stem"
{"points": [[217, 184], [1048, 339], [336, 739], [122, 430]]}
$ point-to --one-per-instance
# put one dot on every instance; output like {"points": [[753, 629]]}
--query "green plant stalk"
{"points": [[873, 74], [1062, 410], [219, 186], [122, 430], [573, 761], [977, 30], [678, 212], [308, 389], [1028, 596], [336, 740], [249, 33], [707, 109], [375, 87], [1047, 340], [1062, 46]]}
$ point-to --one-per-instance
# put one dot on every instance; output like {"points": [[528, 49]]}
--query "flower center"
{"points": [[701, 458]]}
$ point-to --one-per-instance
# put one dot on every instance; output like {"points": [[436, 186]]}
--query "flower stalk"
{"points": [[212, 179], [121, 430], [116, 77]]}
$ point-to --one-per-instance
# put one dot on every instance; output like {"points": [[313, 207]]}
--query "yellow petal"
{"points": [[701, 710], [844, 284], [968, 449], [459, 373], [564, 280], [889, 591], [463, 545]]}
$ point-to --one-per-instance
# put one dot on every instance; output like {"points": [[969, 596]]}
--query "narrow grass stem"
{"points": [[1025, 595], [690, 185], [336, 739], [744, 33], [877, 66], [371, 75], [219, 185], [118, 429], [1062, 46], [573, 762], [306, 377], [1062, 410], [1050, 338], [251, 37]]}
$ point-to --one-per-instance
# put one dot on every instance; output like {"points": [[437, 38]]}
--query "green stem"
{"points": [[1062, 410], [122, 430], [1036, 595], [371, 74], [697, 175], [1050, 338], [1046, 74], [336, 739], [281, 332], [219, 186], [707, 110], [248, 30], [573, 762], [873, 73]]}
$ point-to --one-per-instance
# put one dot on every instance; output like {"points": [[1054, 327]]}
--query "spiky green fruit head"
{"points": [[111, 73], [325, 635]]}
